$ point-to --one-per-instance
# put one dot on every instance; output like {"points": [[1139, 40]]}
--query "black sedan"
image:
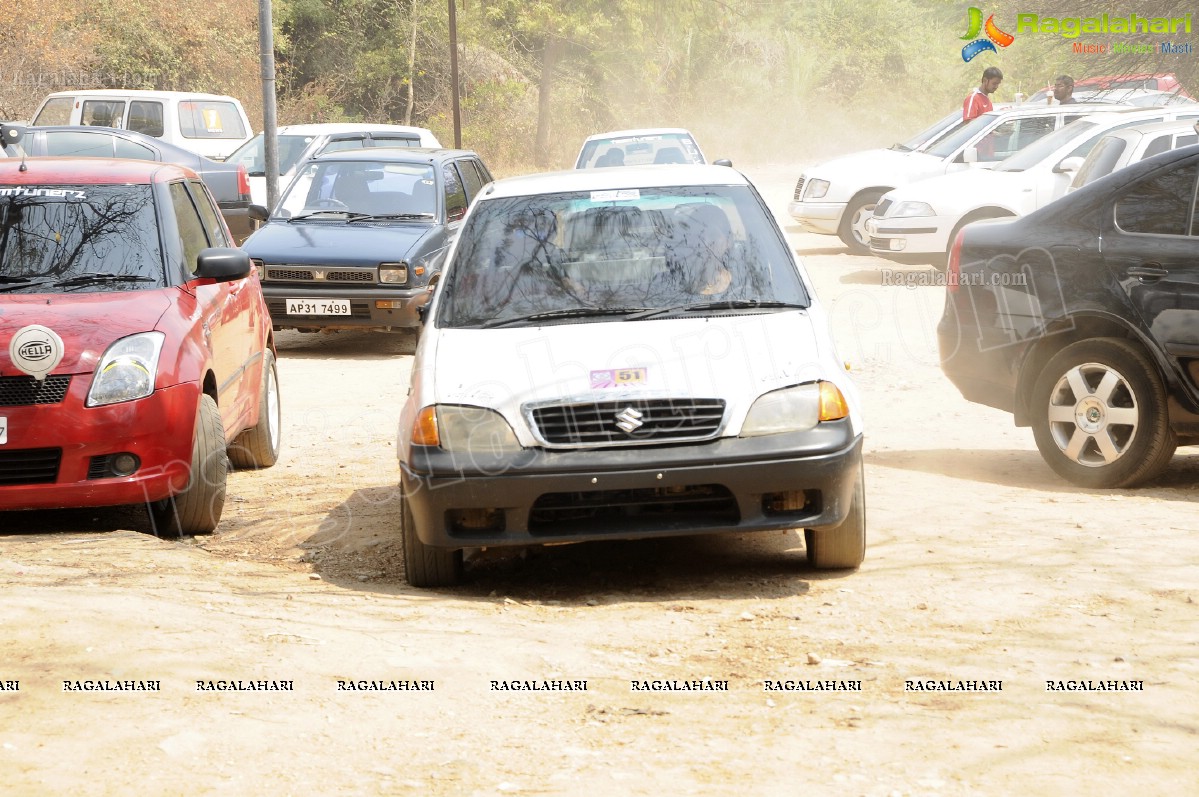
{"points": [[358, 236], [1082, 320], [228, 182]]}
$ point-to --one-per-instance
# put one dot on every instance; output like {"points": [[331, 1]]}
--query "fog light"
{"points": [[897, 244], [791, 502], [476, 520], [124, 464], [389, 304]]}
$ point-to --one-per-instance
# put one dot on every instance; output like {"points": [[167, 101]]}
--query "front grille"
{"points": [[645, 422], [319, 274], [278, 310], [20, 391], [799, 190], [29, 466], [643, 509], [880, 209]]}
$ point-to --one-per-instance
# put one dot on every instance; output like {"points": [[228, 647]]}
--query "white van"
{"points": [[212, 125]]}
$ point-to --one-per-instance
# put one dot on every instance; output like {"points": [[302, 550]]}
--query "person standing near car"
{"points": [[979, 101], [1063, 90]]}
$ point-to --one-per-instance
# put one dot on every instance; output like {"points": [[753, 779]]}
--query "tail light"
{"points": [[953, 269], [243, 181]]}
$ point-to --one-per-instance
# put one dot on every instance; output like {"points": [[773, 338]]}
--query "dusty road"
{"points": [[982, 566]]}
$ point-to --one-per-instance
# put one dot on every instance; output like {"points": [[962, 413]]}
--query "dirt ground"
{"points": [[981, 566]]}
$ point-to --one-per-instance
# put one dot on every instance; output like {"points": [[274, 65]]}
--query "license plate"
{"points": [[3, 430], [318, 307]]}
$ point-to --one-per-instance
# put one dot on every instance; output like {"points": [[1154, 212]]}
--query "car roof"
{"points": [[614, 178], [421, 154], [88, 171], [645, 131], [1132, 112], [1038, 109], [334, 128], [138, 93], [1152, 128]]}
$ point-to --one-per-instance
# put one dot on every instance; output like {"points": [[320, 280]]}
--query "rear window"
{"points": [[210, 119], [78, 238], [639, 151]]}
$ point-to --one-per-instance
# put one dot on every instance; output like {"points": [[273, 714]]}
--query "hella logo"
{"points": [[35, 350]]}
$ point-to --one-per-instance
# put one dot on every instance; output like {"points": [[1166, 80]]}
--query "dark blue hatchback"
{"points": [[358, 237]]}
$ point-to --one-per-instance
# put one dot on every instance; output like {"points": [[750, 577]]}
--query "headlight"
{"points": [[907, 209], [795, 409], [816, 189], [127, 370], [465, 429], [393, 273]]}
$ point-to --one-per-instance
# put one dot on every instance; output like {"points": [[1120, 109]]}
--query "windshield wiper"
{"points": [[392, 216], [349, 214], [726, 304], [570, 312], [17, 283], [93, 278]]}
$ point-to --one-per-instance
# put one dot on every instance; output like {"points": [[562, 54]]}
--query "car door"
{"points": [[1151, 246], [218, 304]]}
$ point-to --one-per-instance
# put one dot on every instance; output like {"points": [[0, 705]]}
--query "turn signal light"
{"points": [[833, 406], [424, 431]]}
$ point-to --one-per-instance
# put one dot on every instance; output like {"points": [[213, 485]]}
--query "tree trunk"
{"points": [[553, 50], [411, 70]]}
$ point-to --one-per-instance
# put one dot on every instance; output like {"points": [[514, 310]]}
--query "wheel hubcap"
{"points": [[1093, 415]]}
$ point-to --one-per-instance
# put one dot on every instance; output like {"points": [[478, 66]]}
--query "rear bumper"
{"points": [[729, 485]]}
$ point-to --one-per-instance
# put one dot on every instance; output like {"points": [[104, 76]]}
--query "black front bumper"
{"points": [[802, 480], [364, 313]]}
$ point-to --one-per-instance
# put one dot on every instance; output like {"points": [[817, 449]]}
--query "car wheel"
{"points": [[1099, 415], [853, 224], [258, 446], [197, 508], [843, 546], [424, 565]]}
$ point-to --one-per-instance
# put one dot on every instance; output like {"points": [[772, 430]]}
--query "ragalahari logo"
{"points": [[994, 35]]}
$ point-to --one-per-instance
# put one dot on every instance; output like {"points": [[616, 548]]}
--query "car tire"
{"points": [[424, 565], [197, 508], [842, 547], [258, 446], [852, 231], [1115, 435]]}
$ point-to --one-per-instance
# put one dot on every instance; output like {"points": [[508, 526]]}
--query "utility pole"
{"points": [[454, 75], [270, 125]]}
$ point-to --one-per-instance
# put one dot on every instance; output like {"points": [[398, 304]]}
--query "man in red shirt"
{"points": [[979, 102]]}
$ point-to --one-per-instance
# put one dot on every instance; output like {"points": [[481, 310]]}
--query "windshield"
{"points": [[252, 154], [59, 238], [1045, 147], [634, 251], [639, 150], [343, 189], [928, 135], [952, 141]]}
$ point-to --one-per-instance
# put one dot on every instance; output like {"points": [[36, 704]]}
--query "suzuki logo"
{"points": [[320, 275], [629, 420]]}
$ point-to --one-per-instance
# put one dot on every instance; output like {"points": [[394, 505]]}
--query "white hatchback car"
{"points": [[1121, 148], [298, 143], [625, 353], [917, 222]]}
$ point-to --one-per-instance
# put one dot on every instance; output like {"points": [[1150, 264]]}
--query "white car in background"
{"points": [[1122, 148], [836, 197], [917, 223], [652, 145], [298, 143]]}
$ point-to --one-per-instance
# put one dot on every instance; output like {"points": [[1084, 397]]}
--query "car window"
{"points": [[79, 144], [210, 119], [1101, 160], [645, 249], [384, 140], [1160, 204], [1032, 155], [56, 111], [50, 234], [133, 149], [1157, 146], [455, 195], [145, 116], [343, 144], [1012, 136], [190, 229], [471, 176], [208, 214], [955, 139], [102, 113], [328, 190]]}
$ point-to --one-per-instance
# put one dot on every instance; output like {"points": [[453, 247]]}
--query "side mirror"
{"points": [[1068, 165], [11, 134], [722, 162], [222, 264], [970, 155], [258, 212]]}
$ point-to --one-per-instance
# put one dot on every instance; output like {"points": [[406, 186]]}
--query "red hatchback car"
{"points": [[136, 354]]}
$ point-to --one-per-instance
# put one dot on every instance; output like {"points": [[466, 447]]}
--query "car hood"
{"points": [[314, 243], [878, 163], [74, 319], [960, 191], [736, 358]]}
